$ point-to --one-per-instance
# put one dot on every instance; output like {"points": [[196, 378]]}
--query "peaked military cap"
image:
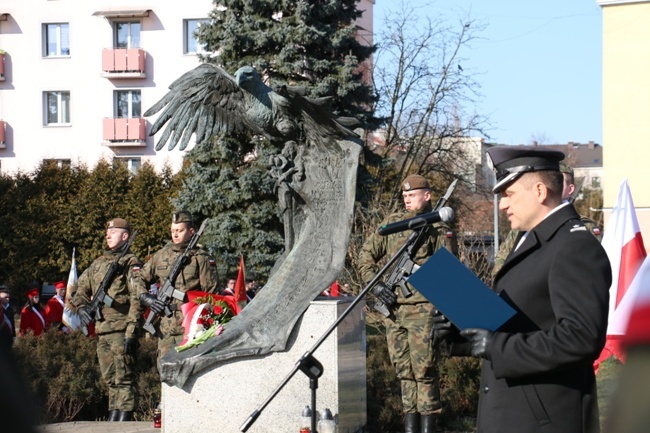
{"points": [[182, 216], [510, 162], [118, 223], [415, 181]]}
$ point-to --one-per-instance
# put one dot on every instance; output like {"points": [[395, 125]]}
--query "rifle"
{"points": [[405, 264], [167, 291], [101, 298]]}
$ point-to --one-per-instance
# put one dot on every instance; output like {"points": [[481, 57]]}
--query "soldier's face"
{"points": [[417, 199], [115, 238], [181, 233], [567, 186]]}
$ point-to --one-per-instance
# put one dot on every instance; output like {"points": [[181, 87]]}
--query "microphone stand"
{"points": [[310, 365]]}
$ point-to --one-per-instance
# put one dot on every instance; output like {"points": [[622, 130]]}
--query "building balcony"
{"points": [[123, 63], [124, 132], [2, 65], [3, 135]]}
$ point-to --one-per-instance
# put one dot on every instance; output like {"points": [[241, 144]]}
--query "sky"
{"points": [[538, 64]]}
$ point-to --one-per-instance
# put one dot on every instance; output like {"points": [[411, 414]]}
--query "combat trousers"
{"points": [[409, 347], [117, 371]]}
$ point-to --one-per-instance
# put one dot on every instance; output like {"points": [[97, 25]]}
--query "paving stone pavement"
{"points": [[100, 427]]}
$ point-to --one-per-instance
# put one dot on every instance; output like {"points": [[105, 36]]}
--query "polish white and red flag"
{"points": [[624, 246]]}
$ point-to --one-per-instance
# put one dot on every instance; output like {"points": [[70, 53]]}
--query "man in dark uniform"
{"points": [[199, 273], [538, 367], [117, 334], [568, 188], [9, 314], [409, 327]]}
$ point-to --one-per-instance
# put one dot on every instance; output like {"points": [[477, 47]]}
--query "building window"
{"points": [[132, 164], [127, 104], [57, 108], [127, 34], [191, 44], [59, 162], [57, 40]]}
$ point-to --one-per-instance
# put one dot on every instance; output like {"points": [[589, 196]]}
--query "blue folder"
{"points": [[459, 294]]}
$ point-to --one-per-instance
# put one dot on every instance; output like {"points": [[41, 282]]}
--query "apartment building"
{"points": [[77, 75], [626, 104]]}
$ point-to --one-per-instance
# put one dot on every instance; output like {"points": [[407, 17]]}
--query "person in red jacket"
{"points": [[32, 316], [54, 307]]}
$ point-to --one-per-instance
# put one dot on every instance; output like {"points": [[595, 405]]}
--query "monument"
{"points": [[315, 176]]}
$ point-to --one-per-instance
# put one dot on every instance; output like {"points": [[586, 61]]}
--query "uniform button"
{"points": [[486, 389]]}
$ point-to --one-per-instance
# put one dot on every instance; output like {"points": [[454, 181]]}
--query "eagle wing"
{"points": [[205, 101]]}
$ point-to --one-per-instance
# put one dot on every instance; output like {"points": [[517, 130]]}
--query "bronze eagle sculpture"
{"points": [[208, 100], [315, 173]]}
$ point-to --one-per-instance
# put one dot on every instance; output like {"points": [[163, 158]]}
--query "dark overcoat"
{"points": [[539, 374]]}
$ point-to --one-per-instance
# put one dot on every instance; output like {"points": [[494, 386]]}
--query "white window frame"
{"points": [[60, 42], [191, 44], [133, 163], [63, 101], [61, 162], [131, 41], [132, 110]]}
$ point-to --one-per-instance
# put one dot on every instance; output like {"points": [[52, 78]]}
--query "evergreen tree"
{"points": [[311, 44], [239, 197], [303, 43], [150, 208]]}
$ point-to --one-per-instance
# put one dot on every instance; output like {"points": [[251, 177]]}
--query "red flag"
{"points": [[240, 284], [624, 246]]}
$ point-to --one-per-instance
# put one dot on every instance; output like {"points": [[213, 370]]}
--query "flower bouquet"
{"points": [[205, 315]]}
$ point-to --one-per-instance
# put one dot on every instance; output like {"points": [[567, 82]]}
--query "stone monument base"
{"points": [[222, 398]]}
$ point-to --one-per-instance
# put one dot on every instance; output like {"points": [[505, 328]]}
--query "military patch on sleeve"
{"points": [[136, 269], [596, 231], [212, 262], [578, 228]]}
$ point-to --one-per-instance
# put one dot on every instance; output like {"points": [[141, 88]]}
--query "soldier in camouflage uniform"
{"points": [[409, 326], [200, 273], [567, 194], [117, 334]]}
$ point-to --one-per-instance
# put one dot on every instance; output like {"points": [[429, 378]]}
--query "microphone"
{"points": [[446, 214]]}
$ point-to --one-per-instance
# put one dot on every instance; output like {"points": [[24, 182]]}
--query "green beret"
{"points": [[118, 223], [564, 168], [415, 181], [182, 216]]}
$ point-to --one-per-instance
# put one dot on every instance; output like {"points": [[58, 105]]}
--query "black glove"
{"points": [[480, 339], [154, 304], [442, 328], [85, 315], [130, 346], [384, 294]]}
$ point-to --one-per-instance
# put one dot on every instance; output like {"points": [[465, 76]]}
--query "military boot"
{"points": [[126, 415], [412, 422], [428, 423], [114, 415]]}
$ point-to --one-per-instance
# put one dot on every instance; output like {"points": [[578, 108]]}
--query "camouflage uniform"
{"points": [[120, 322], [409, 327], [200, 273]]}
